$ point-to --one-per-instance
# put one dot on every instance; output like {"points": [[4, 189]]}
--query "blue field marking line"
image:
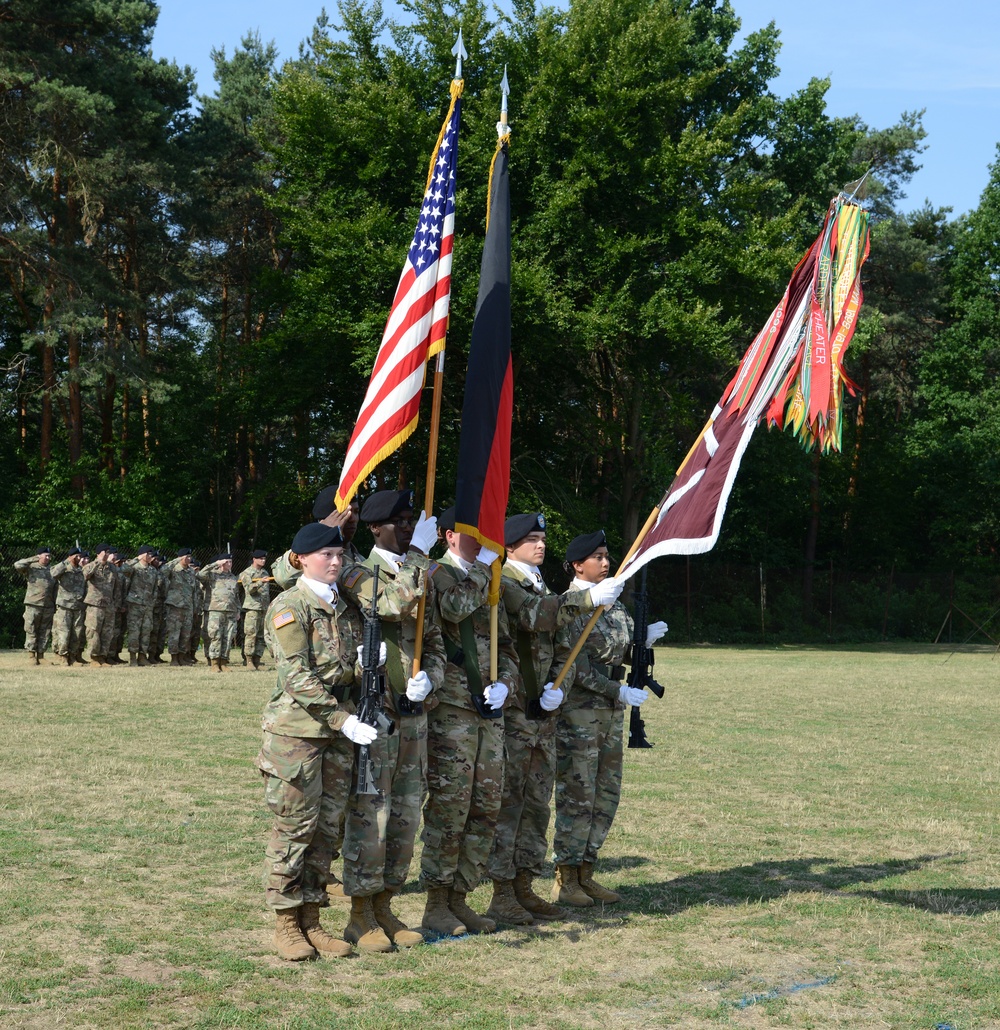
{"points": [[780, 992]]}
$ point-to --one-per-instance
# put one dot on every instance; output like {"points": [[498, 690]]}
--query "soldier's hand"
{"points": [[607, 592], [337, 519], [631, 695], [419, 686], [654, 631], [552, 697], [425, 533], [382, 653], [496, 694], [486, 556], [357, 731]]}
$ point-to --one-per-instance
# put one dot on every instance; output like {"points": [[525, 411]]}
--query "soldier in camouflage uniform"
{"points": [[589, 734], [68, 625], [223, 603], [121, 609], [464, 743], [157, 635], [143, 584], [256, 583], [100, 576], [183, 594], [381, 828], [310, 729], [324, 511], [39, 602], [535, 614]]}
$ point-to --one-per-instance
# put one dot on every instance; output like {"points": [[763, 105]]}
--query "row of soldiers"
{"points": [[477, 757], [94, 604]]}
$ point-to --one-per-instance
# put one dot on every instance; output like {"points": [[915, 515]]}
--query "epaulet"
{"points": [[353, 576], [283, 618]]}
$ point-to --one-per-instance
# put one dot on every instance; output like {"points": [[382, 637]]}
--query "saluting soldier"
{"points": [[589, 732], [179, 606], [100, 576], [223, 607], [157, 635], [464, 741], [307, 754], [535, 614], [39, 602], [143, 583], [324, 511], [381, 828], [256, 582], [121, 608], [68, 626]]}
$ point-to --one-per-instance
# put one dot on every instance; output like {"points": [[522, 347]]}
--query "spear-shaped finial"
{"points": [[502, 128], [460, 54]]}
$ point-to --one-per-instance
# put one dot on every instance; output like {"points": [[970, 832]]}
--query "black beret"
{"points": [[181, 551], [517, 527], [315, 537], [85, 554], [324, 505], [446, 520], [44, 550], [104, 547], [145, 549], [72, 551], [583, 546], [385, 504], [223, 556], [260, 554]]}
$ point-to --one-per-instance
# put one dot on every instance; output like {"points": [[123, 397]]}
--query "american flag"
{"points": [[417, 323]]}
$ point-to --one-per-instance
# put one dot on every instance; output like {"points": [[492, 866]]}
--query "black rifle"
{"points": [[642, 665], [370, 707]]}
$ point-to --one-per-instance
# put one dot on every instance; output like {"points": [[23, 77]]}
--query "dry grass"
{"points": [[811, 843]]}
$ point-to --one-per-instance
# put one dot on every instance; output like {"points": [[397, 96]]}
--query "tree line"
{"points": [[194, 288]]}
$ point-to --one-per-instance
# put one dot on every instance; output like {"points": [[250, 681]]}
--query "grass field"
{"points": [[813, 842]]}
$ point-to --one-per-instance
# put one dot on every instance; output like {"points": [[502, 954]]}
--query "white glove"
{"points": [[425, 533], [654, 631], [486, 556], [552, 697], [382, 653], [496, 694], [631, 696], [359, 732], [606, 592], [419, 686]]}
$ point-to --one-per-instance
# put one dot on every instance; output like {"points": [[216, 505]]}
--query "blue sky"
{"points": [[883, 59]]}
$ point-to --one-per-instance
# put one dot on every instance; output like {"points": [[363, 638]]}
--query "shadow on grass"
{"points": [[767, 881]]}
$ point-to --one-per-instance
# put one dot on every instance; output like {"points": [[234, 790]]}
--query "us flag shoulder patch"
{"points": [[350, 580], [283, 619]]}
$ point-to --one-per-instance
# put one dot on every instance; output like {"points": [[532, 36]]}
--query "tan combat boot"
{"points": [[256, 663], [98, 658], [325, 943], [395, 929], [363, 929], [567, 890], [505, 908], [438, 917], [37, 656], [142, 658], [216, 664], [69, 659], [175, 659], [288, 937], [531, 902], [593, 889], [474, 922], [334, 888], [79, 659]]}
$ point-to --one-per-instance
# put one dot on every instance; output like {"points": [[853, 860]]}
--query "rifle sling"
{"points": [[527, 661], [393, 660], [468, 653]]}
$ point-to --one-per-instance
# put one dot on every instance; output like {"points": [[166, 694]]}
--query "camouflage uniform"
{"points": [[305, 760], [100, 604], [39, 604], [158, 634], [589, 740], [68, 625], [223, 606], [534, 613], [121, 610], [143, 583], [464, 750], [381, 828], [256, 598], [183, 596]]}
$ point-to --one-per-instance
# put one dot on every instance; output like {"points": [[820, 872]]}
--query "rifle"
{"points": [[642, 665], [370, 707]]}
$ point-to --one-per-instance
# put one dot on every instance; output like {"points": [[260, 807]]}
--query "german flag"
{"points": [[484, 450]]}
